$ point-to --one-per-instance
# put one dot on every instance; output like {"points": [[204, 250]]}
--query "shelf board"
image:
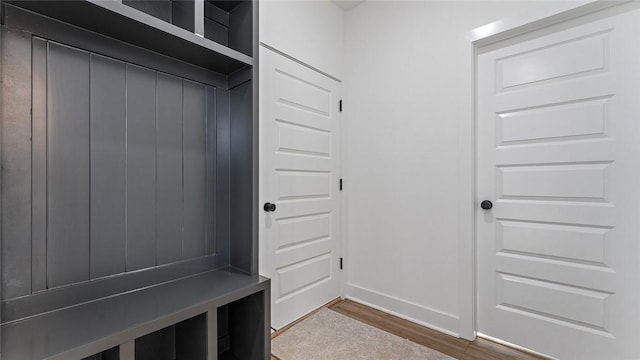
{"points": [[88, 328], [140, 29]]}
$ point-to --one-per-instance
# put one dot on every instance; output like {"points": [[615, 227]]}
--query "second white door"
{"points": [[558, 154], [299, 162]]}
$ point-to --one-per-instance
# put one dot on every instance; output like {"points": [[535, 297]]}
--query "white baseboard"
{"points": [[422, 315]]}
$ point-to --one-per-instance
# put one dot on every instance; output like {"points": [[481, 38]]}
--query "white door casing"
{"points": [[558, 154], [299, 173]]}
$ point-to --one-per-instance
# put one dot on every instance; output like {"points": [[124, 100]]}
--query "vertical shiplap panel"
{"points": [[16, 164], [141, 167], [169, 169], [39, 166], [211, 166], [108, 106], [222, 172], [67, 165], [194, 176]]}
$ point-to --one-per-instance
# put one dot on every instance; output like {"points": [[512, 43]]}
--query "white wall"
{"points": [[401, 83], [311, 31]]}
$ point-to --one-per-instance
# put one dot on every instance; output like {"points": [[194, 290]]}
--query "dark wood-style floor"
{"points": [[479, 349]]}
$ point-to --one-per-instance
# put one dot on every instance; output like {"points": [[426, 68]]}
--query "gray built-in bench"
{"points": [[129, 181]]}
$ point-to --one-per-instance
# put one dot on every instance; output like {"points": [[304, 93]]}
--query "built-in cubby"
{"points": [[177, 12], [239, 327], [186, 340], [225, 22], [129, 181]]}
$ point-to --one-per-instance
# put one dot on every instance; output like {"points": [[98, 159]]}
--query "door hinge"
{"points": [[340, 184], [340, 263], [340, 106]]}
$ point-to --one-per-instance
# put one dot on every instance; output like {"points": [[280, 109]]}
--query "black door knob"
{"points": [[486, 204], [269, 207]]}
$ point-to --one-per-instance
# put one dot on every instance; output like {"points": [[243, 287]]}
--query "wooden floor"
{"points": [[478, 349]]}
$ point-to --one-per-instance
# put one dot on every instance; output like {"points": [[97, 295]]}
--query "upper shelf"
{"points": [[139, 28]]}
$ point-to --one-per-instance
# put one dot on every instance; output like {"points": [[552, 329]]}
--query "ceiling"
{"points": [[348, 4]]}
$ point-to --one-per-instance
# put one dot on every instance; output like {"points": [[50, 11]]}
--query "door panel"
{"points": [[558, 139], [299, 162]]}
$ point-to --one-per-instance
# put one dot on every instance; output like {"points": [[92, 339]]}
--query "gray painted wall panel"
{"points": [[210, 219], [194, 148], [16, 164], [108, 107], [169, 169], [222, 172], [39, 166], [241, 174], [141, 167], [67, 165]]}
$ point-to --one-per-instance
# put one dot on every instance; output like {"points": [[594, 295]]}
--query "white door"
{"points": [[559, 156], [299, 165]]}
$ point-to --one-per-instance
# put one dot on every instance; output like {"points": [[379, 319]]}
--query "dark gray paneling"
{"points": [[241, 174], [223, 123], [210, 220], [159, 345], [240, 77], [111, 354], [169, 169], [182, 14], [247, 327], [141, 167], [16, 164], [216, 14], [108, 110], [191, 338], [216, 32], [39, 166], [240, 28], [67, 165], [156, 8], [222, 328], [194, 176]]}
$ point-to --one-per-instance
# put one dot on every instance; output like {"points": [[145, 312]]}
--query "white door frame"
{"points": [[543, 16]]}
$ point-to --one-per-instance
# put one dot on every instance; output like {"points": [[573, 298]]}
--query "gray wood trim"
{"points": [[198, 24], [212, 334], [1, 176], [39, 166], [255, 141], [128, 350]]}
